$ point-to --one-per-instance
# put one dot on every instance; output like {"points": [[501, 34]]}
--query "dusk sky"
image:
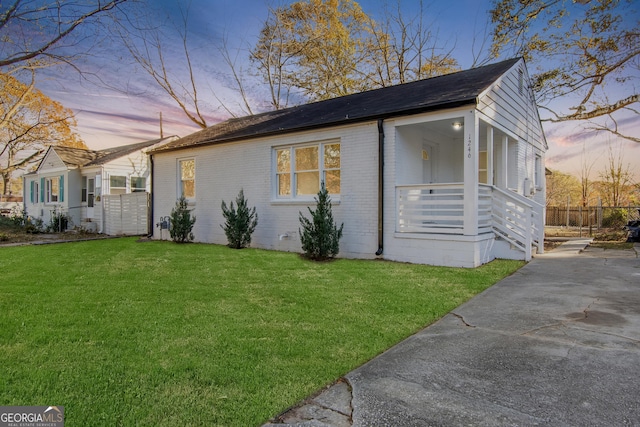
{"points": [[126, 106]]}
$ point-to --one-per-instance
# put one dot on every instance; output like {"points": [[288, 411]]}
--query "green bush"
{"points": [[615, 218], [33, 225], [18, 216], [181, 222], [59, 221], [239, 223], [319, 236]]}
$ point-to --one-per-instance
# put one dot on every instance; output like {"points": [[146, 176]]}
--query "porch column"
{"points": [[471, 169], [490, 179]]}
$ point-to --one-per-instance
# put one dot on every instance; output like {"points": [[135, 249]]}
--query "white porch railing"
{"points": [[518, 220], [430, 208], [439, 208]]}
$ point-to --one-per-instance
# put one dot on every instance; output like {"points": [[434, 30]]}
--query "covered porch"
{"points": [[463, 176]]}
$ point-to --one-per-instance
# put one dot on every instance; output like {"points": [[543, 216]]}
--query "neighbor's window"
{"points": [[300, 169], [88, 190], [138, 184], [83, 197], [117, 184], [35, 193], [91, 191], [52, 189], [187, 178]]}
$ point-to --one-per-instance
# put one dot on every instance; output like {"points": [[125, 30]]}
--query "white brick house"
{"points": [[443, 171]]}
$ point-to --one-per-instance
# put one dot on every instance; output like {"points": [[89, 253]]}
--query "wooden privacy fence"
{"points": [[126, 214], [591, 216]]}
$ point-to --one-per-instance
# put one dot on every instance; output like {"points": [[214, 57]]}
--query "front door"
{"points": [[429, 154]]}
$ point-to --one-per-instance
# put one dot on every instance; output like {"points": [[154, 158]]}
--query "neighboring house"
{"points": [[9, 204], [444, 171], [77, 182]]}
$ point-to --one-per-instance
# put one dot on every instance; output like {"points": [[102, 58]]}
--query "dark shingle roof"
{"points": [[447, 91]]}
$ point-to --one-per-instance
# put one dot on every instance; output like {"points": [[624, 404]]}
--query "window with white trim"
{"points": [[117, 184], [35, 192], [91, 191], [538, 173], [138, 184], [187, 178], [299, 170], [83, 194], [52, 189]]}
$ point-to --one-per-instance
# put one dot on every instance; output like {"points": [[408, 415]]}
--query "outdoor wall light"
{"points": [[456, 125]]}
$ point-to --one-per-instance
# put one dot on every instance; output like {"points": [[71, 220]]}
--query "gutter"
{"points": [[150, 219], [380, 187]]}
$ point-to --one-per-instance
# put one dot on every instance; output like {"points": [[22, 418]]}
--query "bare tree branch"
{"points": [[13, 14]]}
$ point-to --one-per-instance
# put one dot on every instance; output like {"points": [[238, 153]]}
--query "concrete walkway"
{"points": [[557, 343]]}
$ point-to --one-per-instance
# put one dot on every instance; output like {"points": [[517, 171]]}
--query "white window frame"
{"points": [[36, 192], [83, 190], [136, 189], [48, 183], [111, 187], [91, 195], [322, 170], [538, 172], [179, 178]]}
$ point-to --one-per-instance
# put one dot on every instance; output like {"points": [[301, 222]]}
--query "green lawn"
{"points": [[159, 334]]}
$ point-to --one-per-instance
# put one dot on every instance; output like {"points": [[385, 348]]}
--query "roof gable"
{"points": [[63, 157], [446, 91], [82, 157]]}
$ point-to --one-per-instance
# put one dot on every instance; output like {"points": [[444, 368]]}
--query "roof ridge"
{"points": [[445, 91]]}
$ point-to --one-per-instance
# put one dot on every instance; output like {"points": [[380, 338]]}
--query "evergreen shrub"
{"points": [[240, 222], [181, 222], [320, 236]]}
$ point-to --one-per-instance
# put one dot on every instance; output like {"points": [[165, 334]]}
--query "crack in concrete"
{"points": [[462, 320], [332, 406], [586, 310]]}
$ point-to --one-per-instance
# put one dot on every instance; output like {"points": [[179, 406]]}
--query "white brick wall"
{"points": [[222, 170]]}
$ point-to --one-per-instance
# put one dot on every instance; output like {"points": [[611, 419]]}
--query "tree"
{"points": [[29, 123], [582, 49], [586, 184], [147, 43], [616, 178], [44, 30], [239, 223], [181, 222], [164, 52], [405, 49], [562, 186], [327, 48], [320, 236], [314, 46]]}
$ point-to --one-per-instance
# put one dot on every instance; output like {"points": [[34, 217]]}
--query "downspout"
{"points": [[150, 218], [380, 187]]}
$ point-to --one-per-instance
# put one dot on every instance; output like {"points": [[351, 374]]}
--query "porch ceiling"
{"points": [[444, 129]]}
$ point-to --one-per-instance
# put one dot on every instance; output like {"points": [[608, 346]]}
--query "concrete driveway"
{"points": [[557, 343]]}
